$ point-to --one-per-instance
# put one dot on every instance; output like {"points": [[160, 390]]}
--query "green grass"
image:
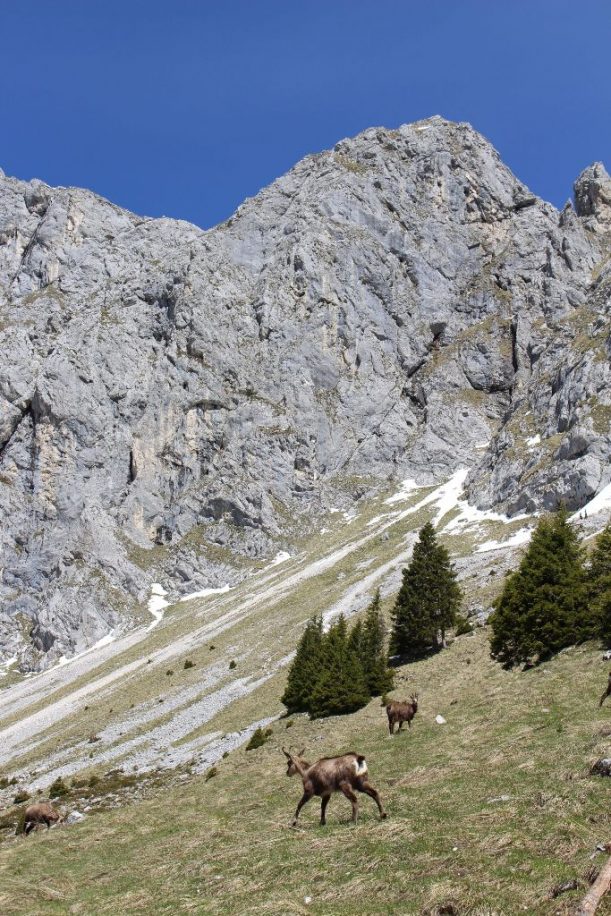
{"points": [[223, 846]]}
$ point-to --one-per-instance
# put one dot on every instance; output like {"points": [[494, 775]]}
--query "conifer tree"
{"points": [[373, 653], [543, 606], [305, 668], [428, 600], [599, 586], [355, 641], [340, 687]]}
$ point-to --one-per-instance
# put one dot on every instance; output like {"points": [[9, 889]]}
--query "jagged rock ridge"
{"points": [[172, 398]]}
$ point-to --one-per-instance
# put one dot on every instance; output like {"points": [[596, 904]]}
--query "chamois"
{"points": [[329, 775], [401, 712], [42, 813], [607, 692]]}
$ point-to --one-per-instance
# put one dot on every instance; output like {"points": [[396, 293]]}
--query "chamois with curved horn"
{"points": [[401, 712], [347, 774], [41, 813]]}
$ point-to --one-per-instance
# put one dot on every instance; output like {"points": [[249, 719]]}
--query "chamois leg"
{"points": [[400, 724], [391, 726], [347, 790], [368, 789], [323, 809], [304, 798]]}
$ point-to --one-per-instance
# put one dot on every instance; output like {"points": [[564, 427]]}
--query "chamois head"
{"points": [[414, 699], [292, 767]]}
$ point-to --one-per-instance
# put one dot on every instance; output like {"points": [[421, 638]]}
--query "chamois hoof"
{"points": [[383, 816]]}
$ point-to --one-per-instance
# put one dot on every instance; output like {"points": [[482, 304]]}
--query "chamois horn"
{"points": [[290, 756]]}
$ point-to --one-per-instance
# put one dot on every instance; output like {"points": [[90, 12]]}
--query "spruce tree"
{"points": [[340, 686], [428, 600], [305, 668], [599, 586], [373, 653], [543, 606], [355, 641]]}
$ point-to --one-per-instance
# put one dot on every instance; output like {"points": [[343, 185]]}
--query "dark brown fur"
{"points": [[607, 692], [329, 775], [401, 712], [42, 813]]}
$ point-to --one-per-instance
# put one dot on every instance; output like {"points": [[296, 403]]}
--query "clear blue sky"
{"points": [[185, 107]]}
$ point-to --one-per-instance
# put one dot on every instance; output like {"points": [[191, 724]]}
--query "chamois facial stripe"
{"points": [[360, 768]]}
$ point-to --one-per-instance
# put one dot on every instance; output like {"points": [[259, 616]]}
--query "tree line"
{"points": [[555, 598], [339, 671]]}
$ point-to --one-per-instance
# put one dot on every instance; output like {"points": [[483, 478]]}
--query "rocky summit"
{"points": [[177, 403]]}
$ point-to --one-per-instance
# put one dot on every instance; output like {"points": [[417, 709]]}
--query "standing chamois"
{"points": [[42, 813], [329, 775], [401, 712]]}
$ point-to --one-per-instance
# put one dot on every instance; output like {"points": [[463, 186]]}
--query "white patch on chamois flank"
{"points": [[360, 768]]}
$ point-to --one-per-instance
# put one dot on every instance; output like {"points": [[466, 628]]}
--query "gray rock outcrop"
{"points": [[174, 401]]}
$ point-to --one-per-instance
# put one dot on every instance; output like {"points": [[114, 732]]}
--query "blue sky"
{"points": [[185, 107]]}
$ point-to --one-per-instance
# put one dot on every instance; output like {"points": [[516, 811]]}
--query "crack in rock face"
{"points": [[179, 403]]}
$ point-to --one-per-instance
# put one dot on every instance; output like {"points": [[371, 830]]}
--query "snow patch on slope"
{"points": [[104, 641], [7, 663], [520, 537], [600, 503], [404, 492], [204, 592], [157, 604]]}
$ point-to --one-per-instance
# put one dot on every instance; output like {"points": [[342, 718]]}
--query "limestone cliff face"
{"points": [[172, 398]]}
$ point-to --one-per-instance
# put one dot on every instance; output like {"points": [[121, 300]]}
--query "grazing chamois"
{"points": [[329, 775], [42, 813], [401, 712], [607, 692]]}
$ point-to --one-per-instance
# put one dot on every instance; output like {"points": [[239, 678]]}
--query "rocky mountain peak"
{"points": [[178, 402], [593, 196]]}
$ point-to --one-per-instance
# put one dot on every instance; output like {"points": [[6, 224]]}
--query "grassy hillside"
{"points": [[486, 813]]}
